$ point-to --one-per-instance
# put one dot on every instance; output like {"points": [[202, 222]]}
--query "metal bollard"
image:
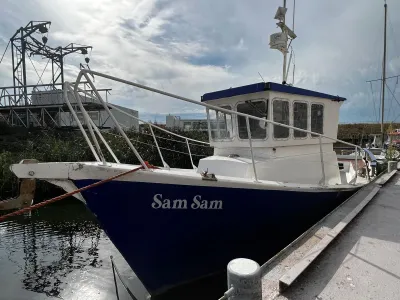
{"points": [[244, 275], [392, 165]]}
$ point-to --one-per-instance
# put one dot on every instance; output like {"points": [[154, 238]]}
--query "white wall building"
{"points": [[102, 119], [175, 122], [99, 116]]}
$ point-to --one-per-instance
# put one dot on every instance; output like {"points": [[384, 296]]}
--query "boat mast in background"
{"points": [[383, 79], [279, 40]]}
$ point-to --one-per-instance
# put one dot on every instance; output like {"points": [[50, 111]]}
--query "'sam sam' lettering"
{"points": [[159, 202]]}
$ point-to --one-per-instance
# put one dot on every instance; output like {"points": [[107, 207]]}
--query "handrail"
{"points": [[150, 124], [251, 147], [85, 73], [86, 117], [110, 114], [151, 129], [158, 149]]}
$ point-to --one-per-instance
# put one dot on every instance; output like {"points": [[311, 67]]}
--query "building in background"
{"points": [[97, 113], [102, 119], [176, 123], [221, 127]]}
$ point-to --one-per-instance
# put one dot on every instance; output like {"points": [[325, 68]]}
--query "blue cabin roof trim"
{"points": [[266, 86]]}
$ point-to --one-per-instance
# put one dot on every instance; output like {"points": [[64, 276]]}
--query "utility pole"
{"points": [[383, 80]]}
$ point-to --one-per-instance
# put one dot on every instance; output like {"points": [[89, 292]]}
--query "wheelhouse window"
{"points": [[221, 124], [281, 115], [257, 108], [300, 118], [317, 119]]}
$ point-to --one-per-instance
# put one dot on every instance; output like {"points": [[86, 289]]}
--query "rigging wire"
{"points": [[159, 137], [40, 78], [378, 52], [390, 108], [5, 52], [393, 97], [151, 145], [58, 67], [396, 47], [37, 73], [394, 92], [373, 102], [392, 29]]}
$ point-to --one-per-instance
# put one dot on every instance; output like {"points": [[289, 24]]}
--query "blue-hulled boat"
{"points": [[273, 174]]}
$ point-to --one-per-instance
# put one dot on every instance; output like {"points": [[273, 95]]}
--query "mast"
{"points": [[284, 52], [279, 41], [383, 79]]}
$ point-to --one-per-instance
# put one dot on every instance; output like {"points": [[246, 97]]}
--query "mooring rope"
{"points": [[52, 200], [115, 270]]}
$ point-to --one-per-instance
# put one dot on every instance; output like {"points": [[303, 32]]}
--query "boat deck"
{"points": [[354, 253]]}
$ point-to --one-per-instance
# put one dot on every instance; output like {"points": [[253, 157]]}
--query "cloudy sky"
{"points": [[191, 47]]}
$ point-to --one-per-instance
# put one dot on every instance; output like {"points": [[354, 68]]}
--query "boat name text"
{"points": [[197, 203]]}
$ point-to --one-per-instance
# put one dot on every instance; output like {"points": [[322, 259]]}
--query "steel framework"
{"points": [[24, 44], [39, 105]]}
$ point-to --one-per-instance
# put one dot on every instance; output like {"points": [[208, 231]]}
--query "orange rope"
{"points": [[41, 204]]}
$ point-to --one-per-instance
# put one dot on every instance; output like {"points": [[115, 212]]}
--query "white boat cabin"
{"points": [[280, 154]]}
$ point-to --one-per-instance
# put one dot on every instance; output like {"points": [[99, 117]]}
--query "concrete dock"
{"points": [[353, 253]]}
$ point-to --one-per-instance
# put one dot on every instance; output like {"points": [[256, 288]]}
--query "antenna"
{"points": [[279, 41], [294, 11]]}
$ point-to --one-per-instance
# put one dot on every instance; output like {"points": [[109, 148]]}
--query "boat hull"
{"points": [[171, 234]]}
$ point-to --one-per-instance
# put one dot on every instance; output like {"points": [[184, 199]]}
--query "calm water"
{"points": [[59, 252]]}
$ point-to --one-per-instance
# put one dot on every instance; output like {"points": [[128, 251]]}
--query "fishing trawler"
{"points": [[272, 175]]}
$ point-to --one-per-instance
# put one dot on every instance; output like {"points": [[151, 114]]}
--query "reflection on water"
{"points": [[57, 251]]}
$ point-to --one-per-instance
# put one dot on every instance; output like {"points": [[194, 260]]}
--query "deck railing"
{"points": [[93, 129]]}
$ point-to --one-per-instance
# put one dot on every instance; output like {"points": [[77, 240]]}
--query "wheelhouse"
{"points": [[304, 109], [263, 150]]}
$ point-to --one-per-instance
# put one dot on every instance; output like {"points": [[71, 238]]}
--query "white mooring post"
{"points": [[244, 276]]}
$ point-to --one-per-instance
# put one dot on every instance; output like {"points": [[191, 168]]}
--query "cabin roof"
{"points": [[266, 86]]}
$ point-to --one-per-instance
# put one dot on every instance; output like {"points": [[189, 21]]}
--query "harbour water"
{"points": [[58, 252]]}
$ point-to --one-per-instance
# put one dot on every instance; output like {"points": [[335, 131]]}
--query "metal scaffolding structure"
{"points": [[39, 105]]}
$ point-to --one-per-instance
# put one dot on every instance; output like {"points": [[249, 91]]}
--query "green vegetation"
{"points": [[59, 145], [66, 145], [355, 132]]}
